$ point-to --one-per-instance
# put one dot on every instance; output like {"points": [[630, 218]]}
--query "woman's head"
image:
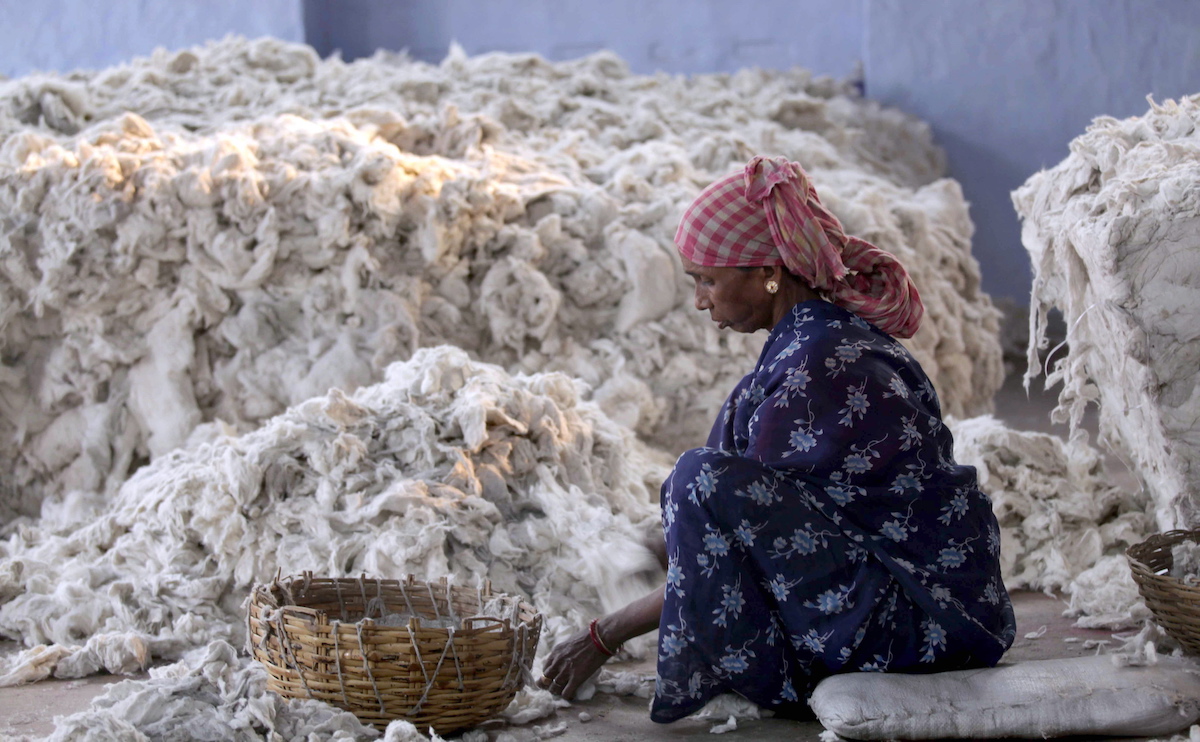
{"points": [[768, 216], [746, 299]]}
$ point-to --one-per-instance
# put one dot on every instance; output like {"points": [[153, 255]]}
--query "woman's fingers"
{"points": [[569, 691], [557, 674], [570, 664], [551, 671], [557, 686]]}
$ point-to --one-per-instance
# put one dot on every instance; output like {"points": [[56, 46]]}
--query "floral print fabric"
{"points": [[825, 528]]}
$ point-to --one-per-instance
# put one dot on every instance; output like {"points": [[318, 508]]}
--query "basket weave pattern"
{"points": [[319, 638], [1175, 605]]}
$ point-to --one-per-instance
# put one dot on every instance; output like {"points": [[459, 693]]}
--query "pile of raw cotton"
{"points": [[224, 232], [1114, 235], [447, 467], [1064, 526]]}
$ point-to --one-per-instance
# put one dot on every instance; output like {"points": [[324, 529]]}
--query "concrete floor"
{"points": [[28, 711]]}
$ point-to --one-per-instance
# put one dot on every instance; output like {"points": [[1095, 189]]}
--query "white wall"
{"points": [[62, 35]]}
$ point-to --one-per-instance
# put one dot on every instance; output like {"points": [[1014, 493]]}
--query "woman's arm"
{"points": [[575, 660]]}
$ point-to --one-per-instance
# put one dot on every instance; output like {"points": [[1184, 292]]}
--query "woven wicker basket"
{"points": [[1175, 605], [322, 638]]}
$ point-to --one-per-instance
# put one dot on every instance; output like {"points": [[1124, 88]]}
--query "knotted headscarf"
{"points": [[770, 214]]}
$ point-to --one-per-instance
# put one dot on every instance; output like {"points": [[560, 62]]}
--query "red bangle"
{"points": [[597, 641]]}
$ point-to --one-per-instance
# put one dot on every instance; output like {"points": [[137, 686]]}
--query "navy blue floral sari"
{"points": [[825, 528]]}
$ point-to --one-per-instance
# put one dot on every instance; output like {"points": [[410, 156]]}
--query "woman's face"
{"points": [[734, 298]]}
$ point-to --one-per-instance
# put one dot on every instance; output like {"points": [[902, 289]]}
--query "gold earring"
{"points": [[772, 286]]}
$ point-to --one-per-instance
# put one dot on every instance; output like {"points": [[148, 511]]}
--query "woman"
{"points": [[825, 527]]}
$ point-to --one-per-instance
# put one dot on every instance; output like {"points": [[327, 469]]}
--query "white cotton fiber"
{"points": [[427, 472], [223, 237], [211, 694], [1185, 562], [1064, 526], [1113, 232]]}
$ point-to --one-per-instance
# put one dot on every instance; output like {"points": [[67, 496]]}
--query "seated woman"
{"points": [[825, 528]]}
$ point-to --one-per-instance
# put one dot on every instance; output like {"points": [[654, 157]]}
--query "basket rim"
{"points": [[269, 593], [1140, 551]]}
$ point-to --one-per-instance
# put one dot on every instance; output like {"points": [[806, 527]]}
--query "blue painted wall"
{"points": [[681, 36], [63, 35], [1007, 85]]}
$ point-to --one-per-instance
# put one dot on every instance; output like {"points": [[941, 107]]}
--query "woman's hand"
{"points": [[570, 664], [578, 658]]}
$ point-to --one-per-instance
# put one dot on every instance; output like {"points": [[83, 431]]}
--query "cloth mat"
{"points": [[1040, 698]]}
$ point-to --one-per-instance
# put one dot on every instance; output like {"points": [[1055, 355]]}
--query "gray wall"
{"points": [[63, 35], [1006, 84]]}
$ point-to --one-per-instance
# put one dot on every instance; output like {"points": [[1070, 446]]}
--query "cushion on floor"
{"points": [[1041, 698]]}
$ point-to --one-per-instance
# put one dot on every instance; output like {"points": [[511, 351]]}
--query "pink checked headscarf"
{"points": [[769, 214]]}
